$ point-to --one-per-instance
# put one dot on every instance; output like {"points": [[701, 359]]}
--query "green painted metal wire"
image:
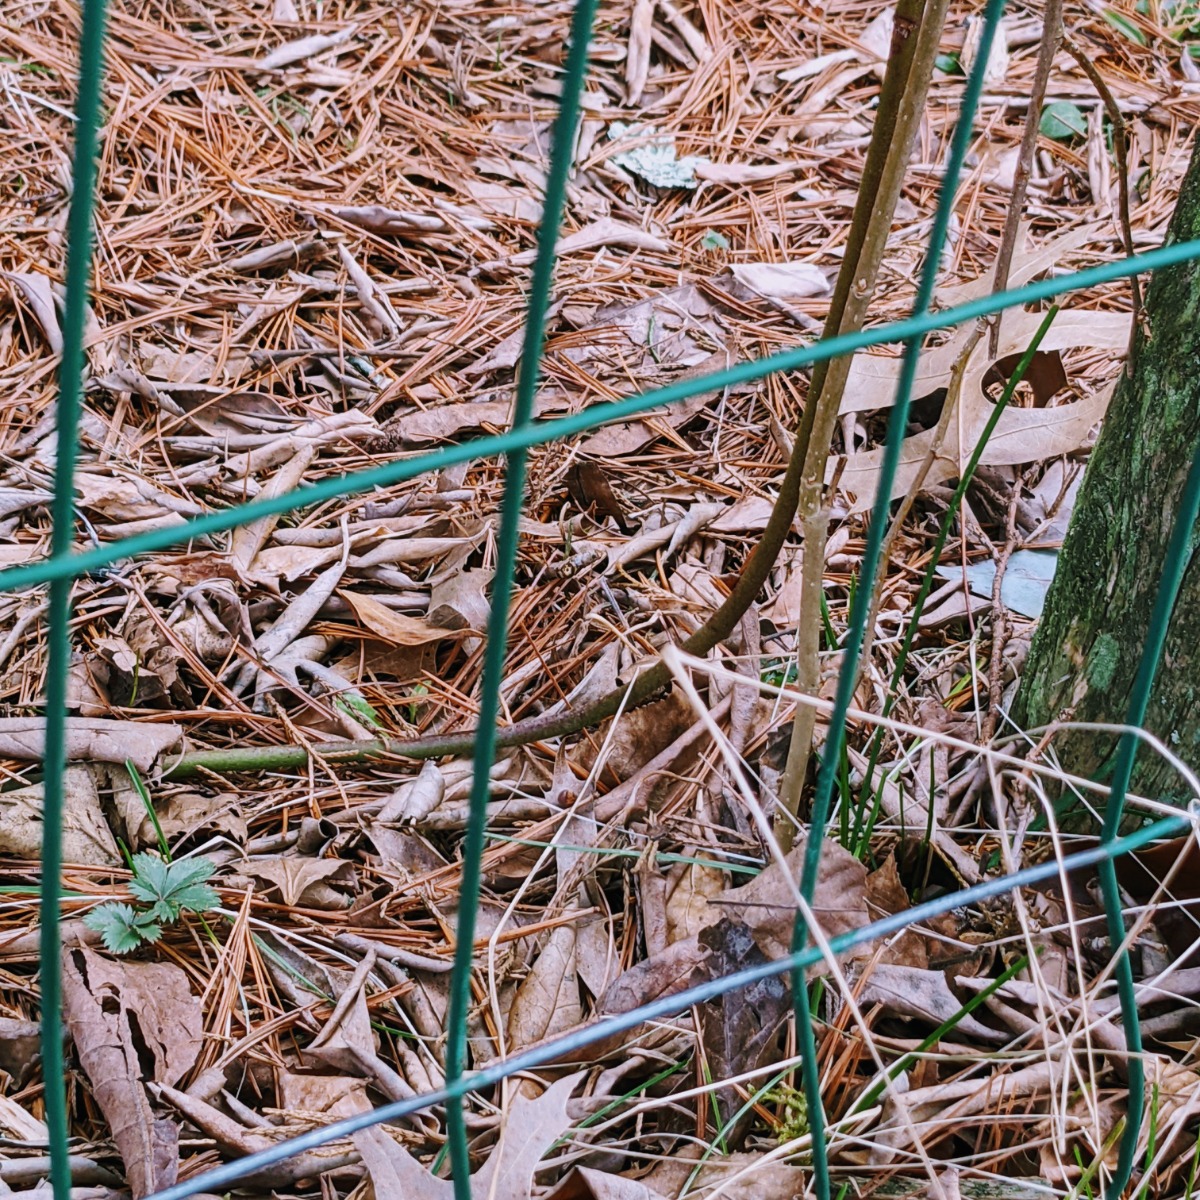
{"points": [[939, 544], [538, 434], [571, 1045], [1179, 555], [79, 239], [63, 567], [810, 1071], [561, 155]]}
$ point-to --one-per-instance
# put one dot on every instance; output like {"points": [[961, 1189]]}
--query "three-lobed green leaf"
{"points": [[164, 890], [170, 887], [122, 927]]}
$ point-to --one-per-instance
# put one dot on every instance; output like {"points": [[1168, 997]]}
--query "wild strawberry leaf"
{"points": [[122, 928]]}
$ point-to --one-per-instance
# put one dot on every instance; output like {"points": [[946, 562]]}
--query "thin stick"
{"points": [[1051, 34], [1001, 625], [1121, 150], [896, 149]]}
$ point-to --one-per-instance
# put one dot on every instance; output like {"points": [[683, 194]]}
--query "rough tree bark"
{"points": [[1087, 647]]}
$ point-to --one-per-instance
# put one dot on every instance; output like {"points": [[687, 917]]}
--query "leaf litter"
{"points": [[314, 231]]}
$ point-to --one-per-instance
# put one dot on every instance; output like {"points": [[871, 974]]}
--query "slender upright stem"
{"points": [[1051, 36], [897, 423], [901, 110]]}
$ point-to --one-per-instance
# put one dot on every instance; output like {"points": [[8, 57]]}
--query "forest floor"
{"points": [[314, 230]]}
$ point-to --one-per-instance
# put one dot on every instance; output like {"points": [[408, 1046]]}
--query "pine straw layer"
{"points": [[233, 351]]}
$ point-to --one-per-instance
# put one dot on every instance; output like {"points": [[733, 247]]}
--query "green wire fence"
{"points": [[63, 567]]}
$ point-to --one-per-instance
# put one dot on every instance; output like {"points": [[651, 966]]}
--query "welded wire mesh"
{"points": [[64, 566]]}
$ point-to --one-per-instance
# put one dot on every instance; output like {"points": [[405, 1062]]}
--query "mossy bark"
{"points": [[1086, 650]]}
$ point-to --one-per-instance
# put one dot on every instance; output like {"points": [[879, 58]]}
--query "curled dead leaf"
{"points": [[133, 1024], [392, 626]]}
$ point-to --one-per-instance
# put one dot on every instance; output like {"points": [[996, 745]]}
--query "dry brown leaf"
{"points": [[294, 876], [785, 282], [327, 1096], [394, 627], [530, 1128], [600, 679], [415, 798], [734, 173], [767, 907], [694, 584], [19, 1047], [547, 1002], [924, 995], [637, 736], [742, 1176], [622, 438], [672, 970], [184, 813], [740, 1030], [584, 1183], [592, 493], [378, 218], [885, 895], [87, 839], [289, 563], [19, 1124], [459, 601], [1022, 434], [248, 540], [673, 535], [11, 556], [127, 1019], [39, 295], [676, 328], [447, 421], [596, 956], [347, 1041], [122, 499], [213, 410], [690, 886], [506, 353], [637, 57], [747, 515], [997, 64], [604, 232], [502, 200], [302, 48], [92, 740]]}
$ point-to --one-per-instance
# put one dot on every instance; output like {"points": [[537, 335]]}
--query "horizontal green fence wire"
{"points": [[98, 557], [63, 567], [572, 1044]]}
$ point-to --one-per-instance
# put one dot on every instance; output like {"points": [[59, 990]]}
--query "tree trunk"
{"points": [[1086, 650]]}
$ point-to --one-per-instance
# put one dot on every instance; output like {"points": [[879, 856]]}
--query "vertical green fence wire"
{"points": [[1179, 555], [61, 582], [897, 423], [79, 238], [561, 155]]}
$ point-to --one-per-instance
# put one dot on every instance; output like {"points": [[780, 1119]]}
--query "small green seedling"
{"points": [[793, 1113], [162, 891], [357, 708]]}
